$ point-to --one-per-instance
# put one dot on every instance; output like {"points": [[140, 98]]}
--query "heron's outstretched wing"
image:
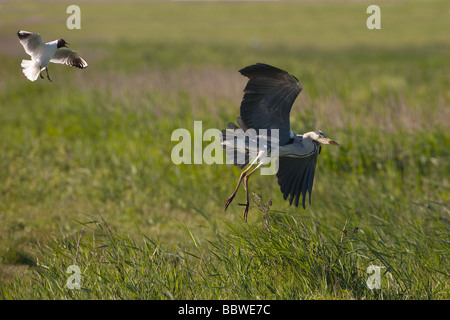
{"points": [[69, 57], [296, 176], [268, 99], [31, 42]]}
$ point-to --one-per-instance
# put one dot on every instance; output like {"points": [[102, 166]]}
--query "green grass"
{"points": [[87, 179]]}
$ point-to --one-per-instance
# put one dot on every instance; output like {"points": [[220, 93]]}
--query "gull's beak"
{"points": [[66, 45]]}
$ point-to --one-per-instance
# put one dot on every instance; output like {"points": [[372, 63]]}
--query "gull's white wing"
{"points": [[32, 43], [69, 57]]}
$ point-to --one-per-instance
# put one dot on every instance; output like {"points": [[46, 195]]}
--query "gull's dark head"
{"points": [[62, 43]]}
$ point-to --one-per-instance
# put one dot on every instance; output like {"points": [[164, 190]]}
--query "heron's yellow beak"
{"points": [[332, 142]]}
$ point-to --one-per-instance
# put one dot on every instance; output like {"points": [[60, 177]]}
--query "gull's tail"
{"points": [[31, 69]]}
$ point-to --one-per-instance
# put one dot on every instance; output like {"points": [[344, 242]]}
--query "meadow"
{"points": [[86, 176]]}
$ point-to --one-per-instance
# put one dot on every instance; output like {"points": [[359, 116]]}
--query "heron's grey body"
{"points": [[43, 53], [267, 102]]}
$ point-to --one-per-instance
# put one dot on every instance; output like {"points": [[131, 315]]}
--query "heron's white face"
{"points": [[319, 136]]}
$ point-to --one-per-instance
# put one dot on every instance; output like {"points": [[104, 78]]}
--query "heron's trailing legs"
{"points": [[237, 187], [244, 176], [247, 202]]}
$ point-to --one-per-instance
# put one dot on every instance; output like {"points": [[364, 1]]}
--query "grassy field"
{"points": [[86, 176]]}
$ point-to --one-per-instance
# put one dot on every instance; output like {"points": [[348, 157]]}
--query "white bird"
{"points": [[42, 53]]}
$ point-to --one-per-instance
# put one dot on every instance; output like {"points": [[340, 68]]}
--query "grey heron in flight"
{"points": [[268, 98]]}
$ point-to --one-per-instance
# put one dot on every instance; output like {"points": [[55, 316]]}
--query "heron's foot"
{"points": [[247, 206], [40, 74], [229, 200]]}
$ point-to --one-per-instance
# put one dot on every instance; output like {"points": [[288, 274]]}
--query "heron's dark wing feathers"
{"points": [[296, 177], [231, 125], [268, 99]]}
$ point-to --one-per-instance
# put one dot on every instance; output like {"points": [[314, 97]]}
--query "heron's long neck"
{"points": [[308, 141], [302, 146], [309, 135]]}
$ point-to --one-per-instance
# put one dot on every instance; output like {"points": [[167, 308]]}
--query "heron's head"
{"points": [[62, 43], [320, 137]]}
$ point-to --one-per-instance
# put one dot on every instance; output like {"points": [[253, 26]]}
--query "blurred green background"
{"points": [[96, 142]]}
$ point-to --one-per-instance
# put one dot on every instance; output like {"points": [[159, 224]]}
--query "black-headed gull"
{"points": [[42, 53]]}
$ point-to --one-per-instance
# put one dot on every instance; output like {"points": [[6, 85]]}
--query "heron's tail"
{"points": [[236, 143], [238, 156], [31, 69]]}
